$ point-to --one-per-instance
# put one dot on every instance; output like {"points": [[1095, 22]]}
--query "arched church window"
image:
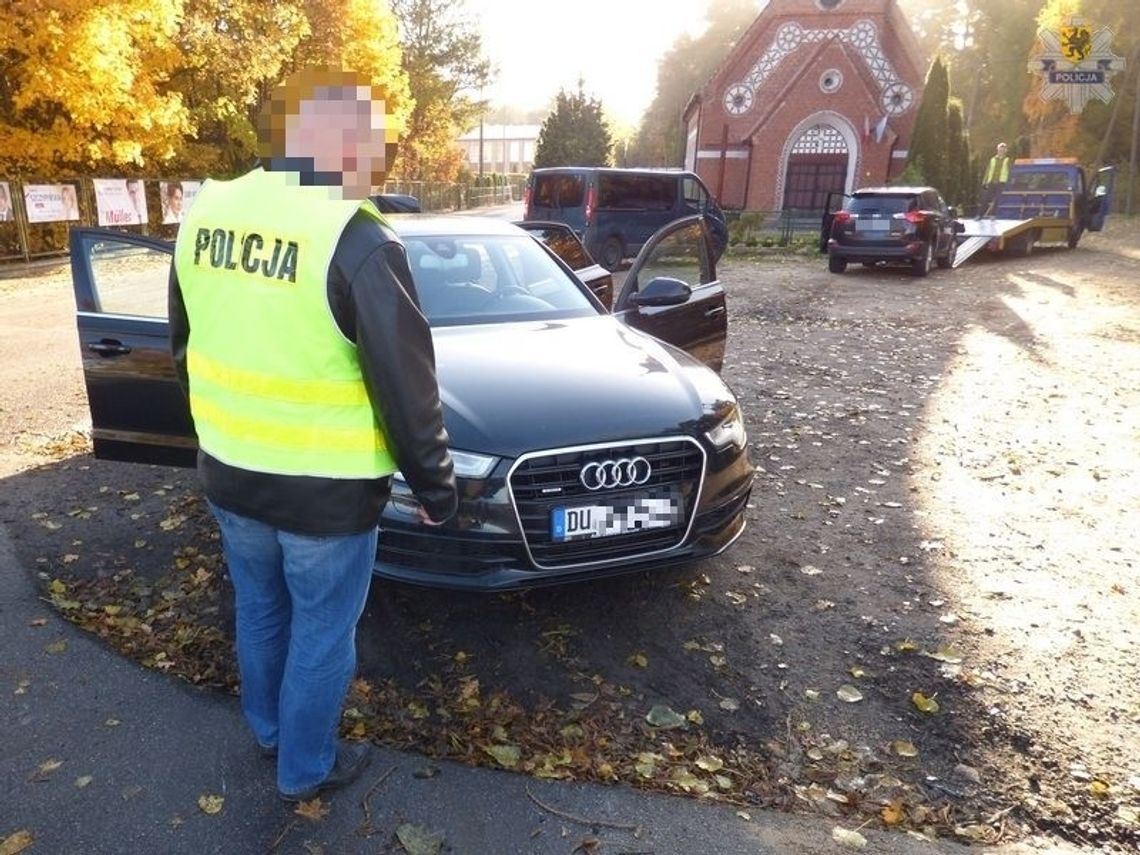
{"points": [[820, 139]]}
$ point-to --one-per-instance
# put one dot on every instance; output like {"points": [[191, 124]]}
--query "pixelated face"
{"points": [[342, 135], [335, 121]]}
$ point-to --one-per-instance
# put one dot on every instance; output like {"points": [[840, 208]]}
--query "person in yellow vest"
{"points": [[994, 181], [310, 372]]}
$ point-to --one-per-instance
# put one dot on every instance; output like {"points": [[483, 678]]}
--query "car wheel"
{"points": [[1075, 233], [947, 261], [836, 263], [611, 254], [921, 266]]}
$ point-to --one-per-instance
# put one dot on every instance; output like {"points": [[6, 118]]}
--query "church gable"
{"points": [[817, 96]]}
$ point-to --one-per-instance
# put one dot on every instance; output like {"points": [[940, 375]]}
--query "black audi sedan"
{"points": [[587, 441]]}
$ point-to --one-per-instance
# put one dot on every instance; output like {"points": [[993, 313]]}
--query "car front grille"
{"points": [[542, 481]]}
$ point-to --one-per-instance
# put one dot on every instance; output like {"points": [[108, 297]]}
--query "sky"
{"points": [[613, 45]]}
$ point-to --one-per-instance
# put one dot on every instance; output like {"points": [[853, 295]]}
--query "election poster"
{"points": [[51, 203], [176, 198], [120, 201], [7, 214]]}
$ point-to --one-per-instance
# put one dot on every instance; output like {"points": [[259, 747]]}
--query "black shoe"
{"points": [[269, 752], [351, 759]]}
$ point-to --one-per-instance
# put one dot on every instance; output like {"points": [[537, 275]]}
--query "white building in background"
{"points": [[506, 148]]}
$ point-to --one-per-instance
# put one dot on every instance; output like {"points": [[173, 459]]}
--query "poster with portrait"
{"points": [[51, 203], [120, 201], [176, 198], [7, 213]]}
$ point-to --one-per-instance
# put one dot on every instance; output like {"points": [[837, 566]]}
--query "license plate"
{"points": [[582, 522], [875, 224]]}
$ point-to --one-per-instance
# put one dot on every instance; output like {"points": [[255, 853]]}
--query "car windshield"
{"points": [[492, 279], [881, 206]]}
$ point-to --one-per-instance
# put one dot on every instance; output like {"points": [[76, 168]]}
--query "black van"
{"points": [[615, 211]]}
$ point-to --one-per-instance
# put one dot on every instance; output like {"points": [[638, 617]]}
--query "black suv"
{"points": [[909, 225]]}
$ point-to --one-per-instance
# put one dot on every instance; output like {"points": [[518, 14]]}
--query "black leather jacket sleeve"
{"points": [[373, 301]]}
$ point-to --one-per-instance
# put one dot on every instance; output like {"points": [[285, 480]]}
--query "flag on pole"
{"points": [[881, 129]]}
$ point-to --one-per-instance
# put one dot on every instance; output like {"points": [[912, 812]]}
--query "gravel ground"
{"points": [[944, 510]]}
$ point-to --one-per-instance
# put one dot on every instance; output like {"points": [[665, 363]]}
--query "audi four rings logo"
{"points": [[607, 474]]}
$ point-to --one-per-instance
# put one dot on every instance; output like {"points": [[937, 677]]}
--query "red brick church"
{"points": [[817, 95]]}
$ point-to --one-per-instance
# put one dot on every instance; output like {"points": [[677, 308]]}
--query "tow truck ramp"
{"points": [[980, 231]]}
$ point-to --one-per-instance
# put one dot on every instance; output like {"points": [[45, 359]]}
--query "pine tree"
{"points": [[575, 134], [927, 151], [957, 186]]}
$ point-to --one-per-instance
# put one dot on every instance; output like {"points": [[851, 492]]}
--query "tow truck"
{"points": [[1046, 201]]}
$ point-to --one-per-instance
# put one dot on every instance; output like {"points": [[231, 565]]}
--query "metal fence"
{"points": [[773, 228], [22, 240]]}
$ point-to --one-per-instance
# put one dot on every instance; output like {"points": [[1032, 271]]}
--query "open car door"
{"points": [[138, 411], [831, 207], [560, 239], [1100, 198], [671, 292]]}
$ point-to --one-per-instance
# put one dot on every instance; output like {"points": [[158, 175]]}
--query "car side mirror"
{"points": [[662, 291], [959, 227]]}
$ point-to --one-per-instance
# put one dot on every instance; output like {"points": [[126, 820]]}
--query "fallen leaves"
{"points": [[417, 840], [44, 770], [904, 748], [506, 756], [637, 660], [893, 813], [211, 804], [848, 839], [664, 717], [849, 694], [924, 704], [945, 654], [16, 842], [313, 810]]}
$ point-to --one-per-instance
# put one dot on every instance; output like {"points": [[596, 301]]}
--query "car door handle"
{"points": [[714, 312], [108, 347]]}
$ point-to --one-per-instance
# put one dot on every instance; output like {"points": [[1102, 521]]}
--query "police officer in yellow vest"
{"points": [[311, 378], [994, 181]]}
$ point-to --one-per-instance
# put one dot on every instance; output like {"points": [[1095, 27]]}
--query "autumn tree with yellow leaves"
{"points": [[88, 85], [132, 86]]}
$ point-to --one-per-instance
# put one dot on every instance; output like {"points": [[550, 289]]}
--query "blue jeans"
{"points": [[297, 600]]}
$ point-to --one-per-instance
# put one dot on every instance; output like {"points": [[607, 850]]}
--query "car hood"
{"points": [[512, 388]]}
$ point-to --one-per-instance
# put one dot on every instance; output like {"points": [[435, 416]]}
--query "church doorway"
{"points": [[816, 166]]}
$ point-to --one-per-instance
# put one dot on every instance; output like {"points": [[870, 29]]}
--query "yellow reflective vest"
{"points": [[274, 384], [998, 170]]}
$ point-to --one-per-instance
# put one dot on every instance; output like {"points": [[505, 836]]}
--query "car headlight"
{"points": [[467, 465], [729, 433]]}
